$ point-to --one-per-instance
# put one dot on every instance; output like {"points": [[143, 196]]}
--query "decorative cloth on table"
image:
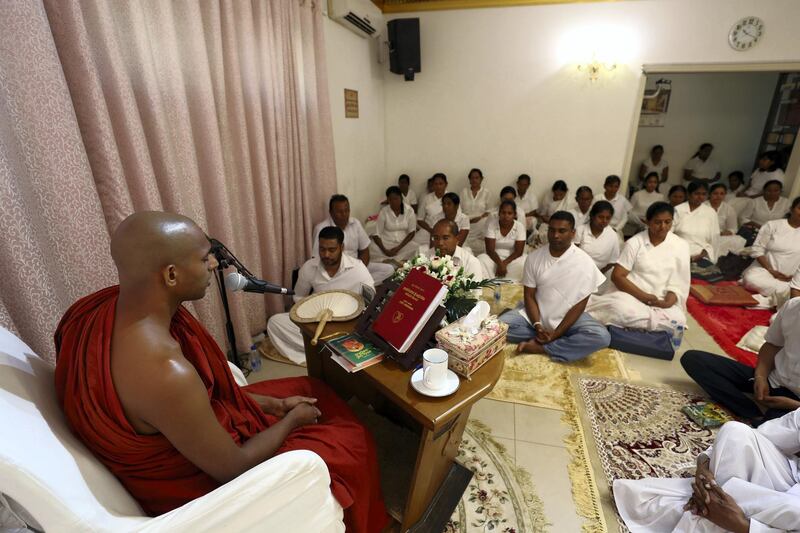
{"points": [[657, 344], [469, 351], [735, 295]]}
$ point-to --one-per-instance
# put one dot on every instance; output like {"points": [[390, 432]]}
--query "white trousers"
{"points": [[746, 465], [756, 278], [379, 271], [618, 308], [406, 252], [513, 272], [287, 338]]}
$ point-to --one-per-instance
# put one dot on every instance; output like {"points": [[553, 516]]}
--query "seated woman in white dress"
{"points": [[597, 238], [729, 241], [409, 196], [735, 196], [777, 254], [430, 208], [677, 195], [654, 164], [557, 200], [451, 210], [584, 198], [696, 223], [621, 204], [527, 203], [701, 167], [641, 200], [770, 206], [395, 229], [650, 280], [476, 203], [767, 170], [505, 244]]}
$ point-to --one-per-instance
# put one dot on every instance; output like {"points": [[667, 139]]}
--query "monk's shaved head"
{"points": [[147, 241]]}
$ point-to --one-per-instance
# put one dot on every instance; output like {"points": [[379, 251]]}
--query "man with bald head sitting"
{"points": [[147, 389], [444, 241]]}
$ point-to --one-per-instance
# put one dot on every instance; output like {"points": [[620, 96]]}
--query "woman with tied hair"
{"points": [[621, 204], [584, 198], [769, 206], [430, 208], [654, 164], [676, 195], [451, 211], [394, 229], [641, 200], [696, 223], [729, 241], [701, 167], [557, 200], [734, 196], [777, 254], [597, 238], [476, 204], [505, 244], [650, 279], [767, 170]]}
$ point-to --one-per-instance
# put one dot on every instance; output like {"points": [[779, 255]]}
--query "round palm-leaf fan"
{"points": [[327, 306]]}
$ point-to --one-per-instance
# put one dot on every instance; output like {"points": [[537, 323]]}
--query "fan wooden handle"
{"points": [[324, 316]]}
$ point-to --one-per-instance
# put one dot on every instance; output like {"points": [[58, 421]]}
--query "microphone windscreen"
{"points": [[235, 281]]}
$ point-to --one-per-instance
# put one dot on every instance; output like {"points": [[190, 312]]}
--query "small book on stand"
{"points": [[354, 353], [409, 309]]}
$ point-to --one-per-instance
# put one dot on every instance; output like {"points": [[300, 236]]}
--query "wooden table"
{"points": [[441, 421]]}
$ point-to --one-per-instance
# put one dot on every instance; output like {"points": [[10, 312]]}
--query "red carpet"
{"points": [[727, 325]]}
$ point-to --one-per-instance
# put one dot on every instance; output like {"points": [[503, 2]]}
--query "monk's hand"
{"points": [[723, 511], [303, 414], [287, 404], [780, 402]]}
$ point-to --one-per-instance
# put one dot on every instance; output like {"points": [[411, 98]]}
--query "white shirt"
{"points": [[352, 274], [785, 332], [581, 218], [475, 206], [640, 201], [760, 212], [759, 178], [698, 227], [462, 221], [705, 170], [780, 242], [504, 244], [560, 282], [410, 198], [463, 257], [430, 209], [392, 228], [658, 269], [526, 203], [621, 208], [604, 250], [649, 167], [726, 217], [355, 238], [731, 195], [550, 206]]}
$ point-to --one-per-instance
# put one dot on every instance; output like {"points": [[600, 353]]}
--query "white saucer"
{"points": [[452, 383]]}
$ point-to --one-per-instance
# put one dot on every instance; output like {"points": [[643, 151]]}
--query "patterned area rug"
{"points": [[639, 431], [500, 496]]}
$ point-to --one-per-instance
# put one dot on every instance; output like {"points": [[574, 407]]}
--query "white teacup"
{"points": [[434, 368]]}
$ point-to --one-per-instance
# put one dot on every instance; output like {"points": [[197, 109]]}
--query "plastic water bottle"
{"points": [[255, 359], [677, 334]]}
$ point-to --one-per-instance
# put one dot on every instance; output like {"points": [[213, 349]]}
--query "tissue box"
{"points": [[467, 351]]}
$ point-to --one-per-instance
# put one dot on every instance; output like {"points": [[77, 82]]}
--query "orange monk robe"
{"points": [[150, 467]]}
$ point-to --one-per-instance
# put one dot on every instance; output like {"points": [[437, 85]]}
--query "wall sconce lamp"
{"points": [[595, 68]]}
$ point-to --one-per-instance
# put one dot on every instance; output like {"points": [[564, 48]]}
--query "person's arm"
{"points": [[519, 249], [569, 319], [279, 406], [379, 244], [531, 307], [619, 276], [717, 176], [664, 174], [607, 268], [462, 236], [642, 171], [174, 401], [766, 363], [687, 174], [490, 250], [303, 286], [364, 256]]}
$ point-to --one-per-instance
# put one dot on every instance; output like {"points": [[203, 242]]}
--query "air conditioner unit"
{"points": [[359, 16]]}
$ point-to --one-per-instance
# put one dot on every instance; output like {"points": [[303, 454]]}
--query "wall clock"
{"points": [[746, 33]]}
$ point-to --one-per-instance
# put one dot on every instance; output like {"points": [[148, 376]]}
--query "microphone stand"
{"points": [[225, 259]]}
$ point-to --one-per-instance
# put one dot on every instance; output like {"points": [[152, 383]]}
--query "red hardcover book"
{"points": [[409, 309]]}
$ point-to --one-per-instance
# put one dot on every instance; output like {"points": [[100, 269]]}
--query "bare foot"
{"points": [[530, 346]]}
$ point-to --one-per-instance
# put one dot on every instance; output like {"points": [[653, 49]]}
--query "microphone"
{"points": [[236, 282]]}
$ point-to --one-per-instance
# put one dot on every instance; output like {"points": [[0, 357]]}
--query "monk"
{"points": [[147, 389]]}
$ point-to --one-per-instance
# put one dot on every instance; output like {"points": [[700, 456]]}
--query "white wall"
{"points": [[358, 142], [499, 89], [728, 110]]}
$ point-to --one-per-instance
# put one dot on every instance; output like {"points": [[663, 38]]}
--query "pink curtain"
{"points": [[214, 109]]}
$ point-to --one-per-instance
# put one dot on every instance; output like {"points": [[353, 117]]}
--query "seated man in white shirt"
{"points": [[332, 269], [444, 241], [749, 480], [356, 240], [774, 383], [558, 280]]}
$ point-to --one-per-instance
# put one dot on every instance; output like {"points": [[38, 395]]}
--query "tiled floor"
{"points": [[534, 436]]}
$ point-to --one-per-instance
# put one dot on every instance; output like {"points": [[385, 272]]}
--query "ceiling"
{"points": [[403, 6]]}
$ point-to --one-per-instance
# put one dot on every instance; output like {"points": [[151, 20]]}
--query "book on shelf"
{"points": [[354, 353], [409, 309]]}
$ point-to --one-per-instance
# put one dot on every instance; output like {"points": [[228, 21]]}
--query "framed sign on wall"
{"points": [[350, 103]]}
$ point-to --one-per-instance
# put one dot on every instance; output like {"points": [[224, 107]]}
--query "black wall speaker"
{"points": [[404, 47]]}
